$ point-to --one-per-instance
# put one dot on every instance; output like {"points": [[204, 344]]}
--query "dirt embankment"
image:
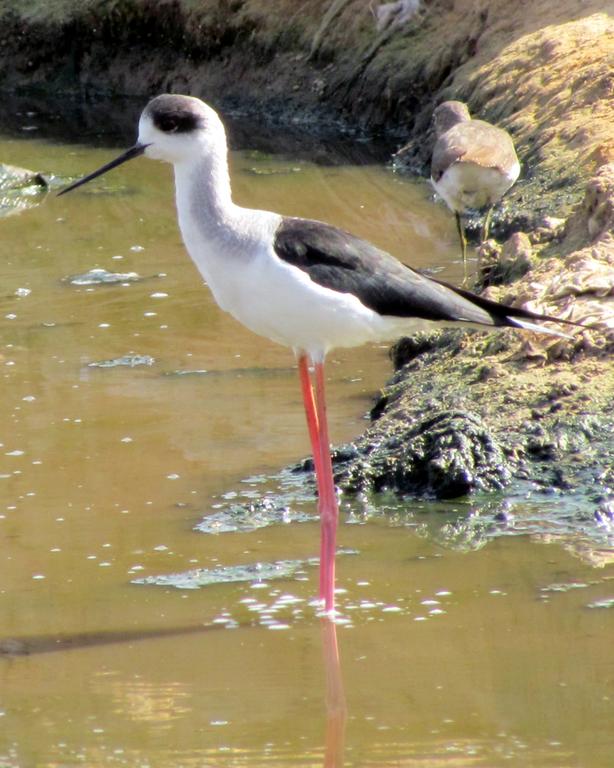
{"points": [[543, 70]]}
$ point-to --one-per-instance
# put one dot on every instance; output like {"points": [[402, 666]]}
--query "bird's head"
{"points": [[172, 128], [448, 114], [177, 128]]}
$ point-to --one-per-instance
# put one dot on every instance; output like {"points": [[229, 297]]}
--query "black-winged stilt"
{"points": [[301, 283], [473, 165]]}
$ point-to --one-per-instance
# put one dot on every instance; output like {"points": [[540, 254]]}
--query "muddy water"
{"points": [[134, 409]]}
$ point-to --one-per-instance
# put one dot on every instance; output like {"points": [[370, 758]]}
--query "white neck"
{"points": [[214, 229], [203, 195]]}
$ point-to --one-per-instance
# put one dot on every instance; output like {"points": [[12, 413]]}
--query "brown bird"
{"points": [[474, 163]]}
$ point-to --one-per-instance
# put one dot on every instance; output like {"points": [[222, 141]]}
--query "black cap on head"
{"points": [[171, 113]]}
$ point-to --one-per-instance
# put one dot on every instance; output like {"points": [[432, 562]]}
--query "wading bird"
{"points": [[473, 165], [301, 283]]}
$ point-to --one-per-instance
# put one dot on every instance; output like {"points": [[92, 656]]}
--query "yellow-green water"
{"points": [[448, 658]]}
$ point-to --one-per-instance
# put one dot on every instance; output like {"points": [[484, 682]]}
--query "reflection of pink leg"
{"points": [[336, 713], [315, 410]]}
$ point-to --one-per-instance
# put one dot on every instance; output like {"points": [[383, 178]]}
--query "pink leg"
{"points": [[313, 427], [310, 413], [329, 510], [315, 410]]}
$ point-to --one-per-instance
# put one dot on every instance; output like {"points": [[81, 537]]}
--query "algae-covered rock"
{"points": [[445, 455]]}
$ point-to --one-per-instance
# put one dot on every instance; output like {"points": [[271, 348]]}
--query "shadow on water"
{"points": [[36, 644]]}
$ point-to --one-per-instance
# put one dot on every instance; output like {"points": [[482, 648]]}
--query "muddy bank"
{"points": [[465, 412]]}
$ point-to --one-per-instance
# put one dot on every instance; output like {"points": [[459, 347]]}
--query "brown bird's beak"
{"points": [[134, 151]]}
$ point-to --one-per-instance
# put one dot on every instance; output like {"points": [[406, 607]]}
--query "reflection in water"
{"points": [[147, 702], [336, 710]]}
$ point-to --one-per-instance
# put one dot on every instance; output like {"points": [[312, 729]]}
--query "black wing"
{"points": [[503, 312], [342, 262]]}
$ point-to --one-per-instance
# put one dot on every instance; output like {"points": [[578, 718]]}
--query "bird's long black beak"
{"points": [[134, 151]]}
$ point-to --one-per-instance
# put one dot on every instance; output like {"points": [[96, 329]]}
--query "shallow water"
{"points": [[134, 409]]}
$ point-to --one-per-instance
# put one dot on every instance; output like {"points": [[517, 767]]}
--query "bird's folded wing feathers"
{"points": [[342, 262], [476, 142], [345, 263]]}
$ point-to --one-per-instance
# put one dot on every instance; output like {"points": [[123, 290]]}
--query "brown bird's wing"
{"points": [[476, 142]]}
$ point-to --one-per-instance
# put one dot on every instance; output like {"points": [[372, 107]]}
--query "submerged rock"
{"points": [[97, 276], [12, 177], [128, 361], [20, 189], [260, 513], [252, 572]]}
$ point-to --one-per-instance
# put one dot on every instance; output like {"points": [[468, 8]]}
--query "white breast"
{"points": [[468, 185], [281, 302]]}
